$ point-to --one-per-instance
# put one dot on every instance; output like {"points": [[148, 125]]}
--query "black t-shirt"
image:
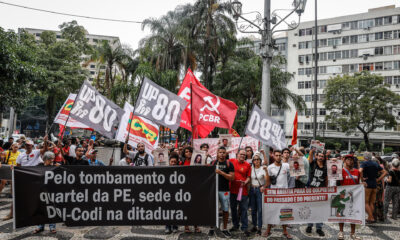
{"points": [[318, 175], [395, 174], [74, 161], [223, 183]]}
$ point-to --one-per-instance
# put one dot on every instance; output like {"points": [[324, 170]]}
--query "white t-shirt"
{"points": [[72, 149], [141, 160], [32, 159], [282, 180], [260, 173], [123, 162]]}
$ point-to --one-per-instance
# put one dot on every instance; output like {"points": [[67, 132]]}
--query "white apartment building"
{"points": [[347, 44], [94, 68]]}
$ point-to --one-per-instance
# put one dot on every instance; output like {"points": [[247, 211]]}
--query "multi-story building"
{"points": [[94, 68], [347, 44]]}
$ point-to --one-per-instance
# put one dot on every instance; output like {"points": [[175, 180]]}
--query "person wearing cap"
{"points": [[351, 176], [31, 157], [355, 159], [369, 172], [92, 158], [392, 192]]}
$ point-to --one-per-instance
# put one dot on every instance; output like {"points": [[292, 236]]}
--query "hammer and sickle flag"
{"points": [[209, 109]]}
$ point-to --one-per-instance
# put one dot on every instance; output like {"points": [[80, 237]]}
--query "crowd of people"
{"points": [[242, 176]]}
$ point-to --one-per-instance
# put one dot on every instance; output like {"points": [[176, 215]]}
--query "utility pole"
{"points": [[316, 73]]}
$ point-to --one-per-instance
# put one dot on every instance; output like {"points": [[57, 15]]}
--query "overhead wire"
{"points": [[69, 14]]}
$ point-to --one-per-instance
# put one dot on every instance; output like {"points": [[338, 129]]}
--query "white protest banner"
{"points": [[296, 167], [161, 157], [159, 105], [96, 111], [319, 146], [62, 115], [213, 143], [335, 169], [265, 129], [198, 157], [314, 205], [141, 130]]}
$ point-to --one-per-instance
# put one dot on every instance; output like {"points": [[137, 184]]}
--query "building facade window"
{"points": [[378, 51], [300, 85], [396, 49], [387, 35], [301, 71], [388, 80], [379, 66], [396, 80], [387, 66], [396, 65]]}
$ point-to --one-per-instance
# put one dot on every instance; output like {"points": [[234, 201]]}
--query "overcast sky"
{"points": [[129, 33]]}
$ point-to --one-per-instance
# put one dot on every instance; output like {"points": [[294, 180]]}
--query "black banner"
{"points": [[5, 172], [93, 196]]}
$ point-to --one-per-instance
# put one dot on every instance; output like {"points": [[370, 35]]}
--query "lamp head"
{"points": [[301, 5], [237, 9]]}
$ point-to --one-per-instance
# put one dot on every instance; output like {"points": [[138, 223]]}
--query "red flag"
{"points": [[176, 142], [209, 109], [233, 132], [184, 92], [294, 136]]}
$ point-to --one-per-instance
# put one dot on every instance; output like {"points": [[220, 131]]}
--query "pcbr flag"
{"points": [[209, 109], [186, 119]]}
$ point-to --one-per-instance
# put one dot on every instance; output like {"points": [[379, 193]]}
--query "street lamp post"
{"points": [[263, 27]]}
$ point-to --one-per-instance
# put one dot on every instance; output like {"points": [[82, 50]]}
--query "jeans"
{"points": [[256, 206], [318, 225], [243, 204], [51, 226]]}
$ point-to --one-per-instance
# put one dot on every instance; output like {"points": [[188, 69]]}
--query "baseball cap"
{"points": [[348, 156], [29, 142]]}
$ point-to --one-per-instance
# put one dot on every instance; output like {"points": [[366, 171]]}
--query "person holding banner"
{"points": [[205, 147], [318, 178], [226, 172], [31, 157], [141, 158], [351, 176], [173, 161], [239, 194], [277, 177], [186, 157], [258, 180]]}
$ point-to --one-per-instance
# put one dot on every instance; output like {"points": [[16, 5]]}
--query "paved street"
{"points": [[375, 231]]}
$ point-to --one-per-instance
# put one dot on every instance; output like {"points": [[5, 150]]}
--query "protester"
{"points": [[356, 164], [392, 192], [58, 152], [318, 178], [285, 159], [379, 212], [8, 144], [80, 158], [258, 180], [249, 154], [72, 148], [226, 172], [277, 177], [173, 161], [48, 158], [141, 158], [31, 157], [301, 181], [186, 156], [351, 176], [369, 171], [92, 158]]}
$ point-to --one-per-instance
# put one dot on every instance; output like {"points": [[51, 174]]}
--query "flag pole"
{"points": [[191, 111], [69, 113], [134, 107]]}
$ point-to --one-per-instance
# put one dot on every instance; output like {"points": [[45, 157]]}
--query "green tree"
{"points": [[18, 69], [62, 62], [360, 102]]}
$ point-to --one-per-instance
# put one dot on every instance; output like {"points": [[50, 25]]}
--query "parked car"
{"points": [[389, 156]]}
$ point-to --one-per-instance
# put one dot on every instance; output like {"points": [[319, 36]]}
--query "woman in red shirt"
{"points": [[186, 156], [351, 176]]}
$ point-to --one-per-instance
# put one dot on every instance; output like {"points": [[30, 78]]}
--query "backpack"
{"points": [[146, 157]]}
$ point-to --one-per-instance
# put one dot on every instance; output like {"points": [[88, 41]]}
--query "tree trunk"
{"points": [[366, 140]]}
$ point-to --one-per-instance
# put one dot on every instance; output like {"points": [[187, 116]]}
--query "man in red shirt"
{"points": [[242, 178], [351, 176]]}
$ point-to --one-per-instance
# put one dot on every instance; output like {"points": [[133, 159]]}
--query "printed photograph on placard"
{"points": [[225, 140], [161, 157], [335, 169], [198, 157], [316, 144], [296, 167]]}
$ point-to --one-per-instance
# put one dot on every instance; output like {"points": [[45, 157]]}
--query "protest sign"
{"points": [[62, 115], [96, 111], [296, 167], [265, 129], [314, 205], [335, 169], [159, 105], [141, 130], [213, 143], [317, 145], [225, 140], [198, 157], [161, 157], [99, 196]]}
